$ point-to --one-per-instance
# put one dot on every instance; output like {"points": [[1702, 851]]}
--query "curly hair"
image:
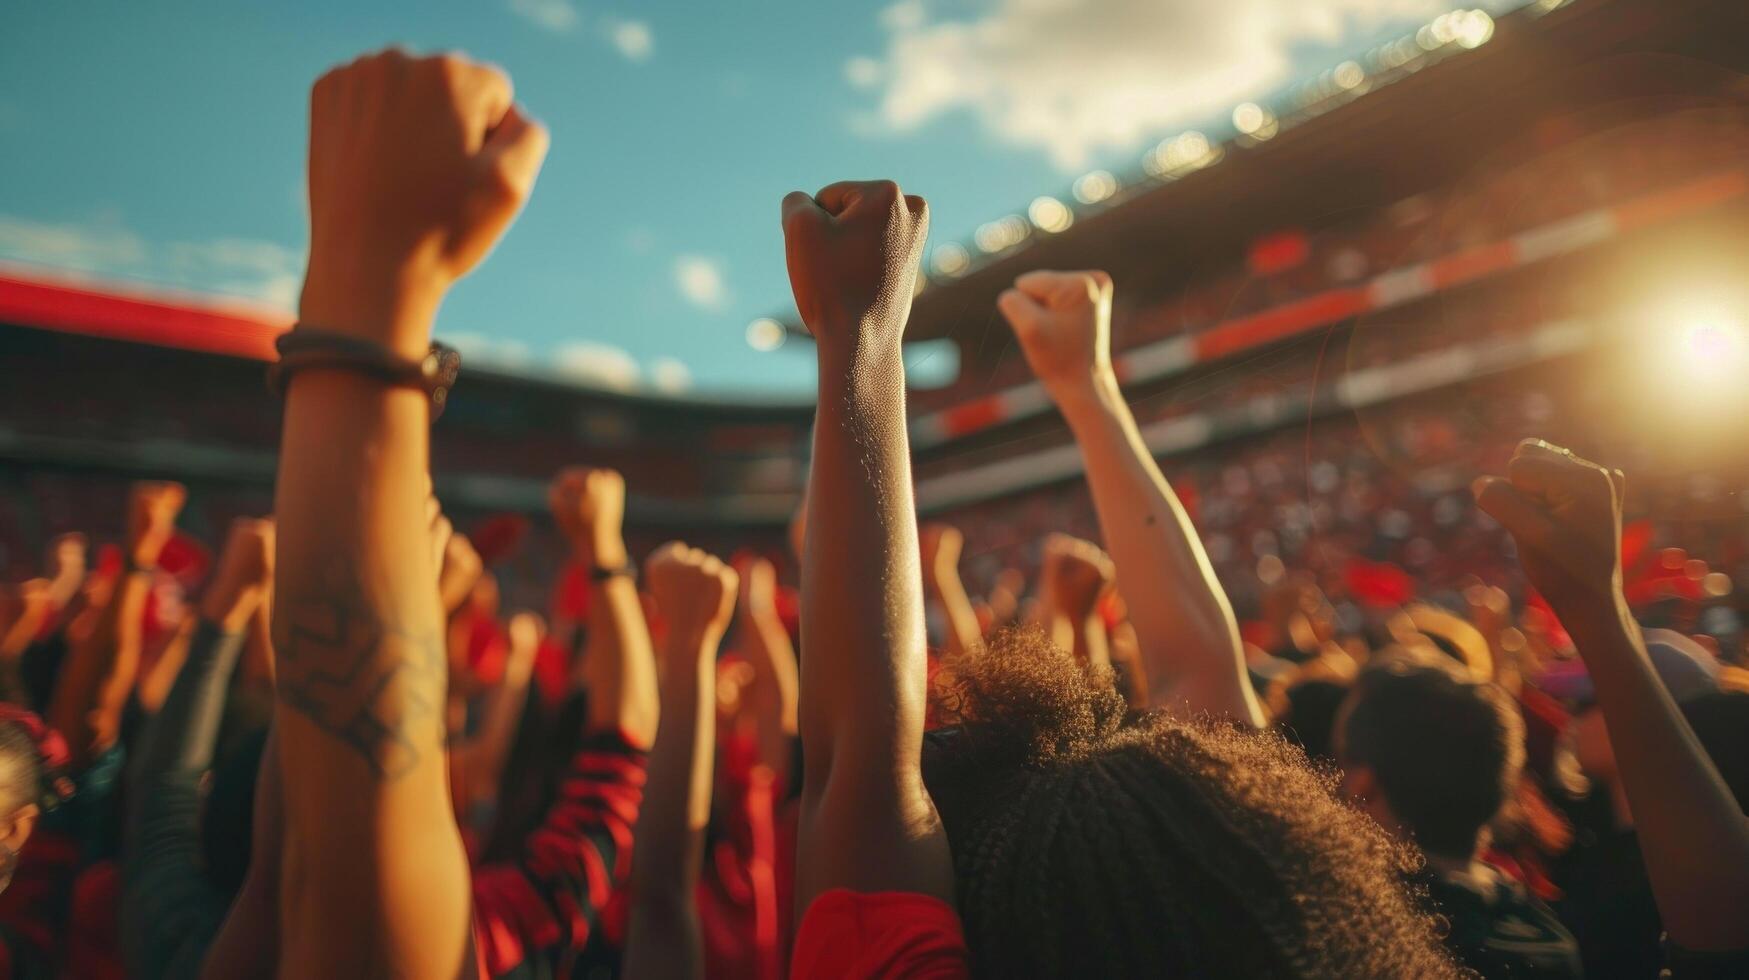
{"points": [[1091, 841]]}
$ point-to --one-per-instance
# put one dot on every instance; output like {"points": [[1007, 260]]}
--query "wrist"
{"points": [[392, 305], [1093, 394], [602, 551]]}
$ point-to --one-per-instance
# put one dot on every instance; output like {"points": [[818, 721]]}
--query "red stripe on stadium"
{"points": [[184, 324], [971, 417], [1473, 263], [1283, 321]]}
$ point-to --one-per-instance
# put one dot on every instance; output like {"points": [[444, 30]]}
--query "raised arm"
{"points": [[416, 167], [695, 593], [771, 696], [92, 689], [171, 910], [1188, 635], [618, 667], [1564, 513], [484, 757], [941, 545], [867, 823]]}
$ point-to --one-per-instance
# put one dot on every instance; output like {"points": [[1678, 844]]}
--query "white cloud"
{"points": [[1072, 77], [669, 376], [260, 270], [632, 37], [557, 16], [701, 281], [94, 246], [863, 72], [598, 364]]}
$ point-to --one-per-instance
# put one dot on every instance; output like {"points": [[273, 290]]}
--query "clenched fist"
{"points": [[589, 507], [152, 510], [1564, 513], [1076, 575], [852, 251], [417, 165], [694, 591], [1063, 323]]}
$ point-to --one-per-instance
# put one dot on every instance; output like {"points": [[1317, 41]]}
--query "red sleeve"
{"points": [[862, 936], [737, 895], [35, 907], [542, 907]]}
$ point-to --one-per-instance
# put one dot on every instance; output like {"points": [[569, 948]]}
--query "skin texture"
{"points": [[1184, 623], [695, 593], [866, 822], [1564, 513], [416, 166]]}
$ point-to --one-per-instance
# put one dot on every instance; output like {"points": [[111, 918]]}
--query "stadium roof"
{"points": [[1354, 152]]}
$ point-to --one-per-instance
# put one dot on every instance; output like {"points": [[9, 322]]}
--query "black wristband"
{"points": [[599, 574], [305, 347]]}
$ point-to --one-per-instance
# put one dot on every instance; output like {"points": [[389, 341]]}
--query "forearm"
{"points": [[1092, 647], [1185, 626], [619, 667], [155, 682], [503, 710], [669, 846], [963, 633], [773, 693], [866, 629], [182, 735], [1694, 835], [361, 684], [92, 688]]}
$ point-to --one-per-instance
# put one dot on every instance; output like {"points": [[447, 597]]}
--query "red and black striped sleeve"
{"points": [[535, 914]]}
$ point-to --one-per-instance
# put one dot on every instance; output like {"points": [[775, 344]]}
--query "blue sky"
{"points": [[163, 141]]}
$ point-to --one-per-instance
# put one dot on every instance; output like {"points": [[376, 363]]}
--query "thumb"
{"points": [[1019, 308], [514, 150], [1515, 511], [800, 207]]}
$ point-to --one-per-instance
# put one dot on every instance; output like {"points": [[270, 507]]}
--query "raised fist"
{"points": [[1063, 323], [1564, 513], [694, 591], [417, 165], [245, 574], [152, 510], [853, 251], [1076, 575], [941, 545], [67, 565], [589, 507]]}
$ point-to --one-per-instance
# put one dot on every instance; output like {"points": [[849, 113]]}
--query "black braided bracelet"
{"points": [[305, 347]]}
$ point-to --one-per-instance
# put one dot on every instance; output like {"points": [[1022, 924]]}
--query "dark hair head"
{"points": [[228, 822], [1445, 749], [1091, 842]]}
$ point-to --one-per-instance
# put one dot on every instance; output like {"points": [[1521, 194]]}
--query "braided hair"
{"points": [[1091, 841]]}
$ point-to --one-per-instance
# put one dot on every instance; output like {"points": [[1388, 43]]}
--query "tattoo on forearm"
{"points": [[374, 685]]}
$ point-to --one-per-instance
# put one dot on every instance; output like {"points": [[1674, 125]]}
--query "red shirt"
{"points": [[866, 935]]}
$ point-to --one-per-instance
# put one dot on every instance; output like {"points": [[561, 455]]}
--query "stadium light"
{"points": [[1050, 214], [1095, 186], [1002, 234], [765, 334], [1473, 28], [1349, 75], [950, 259], [1711, 350]]}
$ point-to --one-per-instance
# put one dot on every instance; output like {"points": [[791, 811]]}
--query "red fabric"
{"points": [[95, 952], [544, 906], [35, 907], [737, 894], [1379, 584], [848, 935]]}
